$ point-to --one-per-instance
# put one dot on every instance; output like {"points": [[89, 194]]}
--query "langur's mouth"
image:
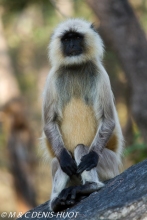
{"points": [[74, 53]]}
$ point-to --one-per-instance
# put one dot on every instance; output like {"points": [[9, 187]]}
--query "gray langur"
{"points": [[81, 127]]}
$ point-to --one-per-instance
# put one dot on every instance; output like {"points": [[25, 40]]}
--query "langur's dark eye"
{"points": [[78, 37]]}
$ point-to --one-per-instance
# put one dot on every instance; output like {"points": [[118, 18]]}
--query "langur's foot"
{"points": [[74, 194], [58, 205], [88, 188], [64, 200]]}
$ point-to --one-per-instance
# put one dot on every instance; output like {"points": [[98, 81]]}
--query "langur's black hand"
{"points": [[88, 162], [67, 164]]}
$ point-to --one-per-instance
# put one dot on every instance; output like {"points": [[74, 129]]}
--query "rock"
{"points": [[123, 197]]}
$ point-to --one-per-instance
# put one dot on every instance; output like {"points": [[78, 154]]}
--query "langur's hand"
{"points": [[88, 162], [67, 164]]}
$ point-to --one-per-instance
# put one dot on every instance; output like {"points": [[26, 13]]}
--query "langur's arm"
{"points": [[52, 132], [105, 129], [106, 109]]}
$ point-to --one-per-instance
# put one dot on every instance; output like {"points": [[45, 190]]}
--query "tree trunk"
{"points": [[120, 27]]}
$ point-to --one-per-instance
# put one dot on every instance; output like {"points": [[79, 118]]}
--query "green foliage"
{"points": [[138, 150], [82, 10], [18, 5], [2, 138]]}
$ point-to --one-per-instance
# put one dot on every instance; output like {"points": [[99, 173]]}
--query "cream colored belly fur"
{"points": [[78, 125]]}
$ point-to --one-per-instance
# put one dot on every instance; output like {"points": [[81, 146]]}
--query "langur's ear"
{"points": [[92, 26]]}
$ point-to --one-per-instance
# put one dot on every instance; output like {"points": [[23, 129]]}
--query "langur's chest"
{"points": [[78, 124], [78, 85]]}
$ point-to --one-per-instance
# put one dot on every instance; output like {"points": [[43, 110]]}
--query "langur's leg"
{"points": [[59, 182], [90, 178], [108, 165]]}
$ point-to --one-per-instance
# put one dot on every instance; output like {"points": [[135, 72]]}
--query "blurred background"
{"points": [[25, 29]]}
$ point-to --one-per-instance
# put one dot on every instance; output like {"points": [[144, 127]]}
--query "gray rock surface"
{"points": [[123, 197]]}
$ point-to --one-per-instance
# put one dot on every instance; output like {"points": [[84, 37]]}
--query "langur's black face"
{"points": [[72, 44]]}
